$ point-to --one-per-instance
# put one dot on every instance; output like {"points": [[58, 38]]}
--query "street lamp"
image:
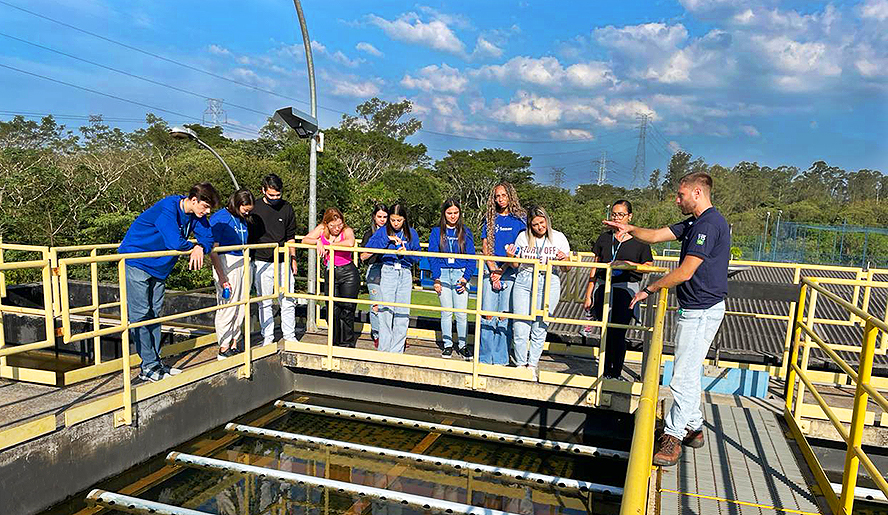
{"points": [[186, 133], [305, 125], [776, 235], [764, 236]]}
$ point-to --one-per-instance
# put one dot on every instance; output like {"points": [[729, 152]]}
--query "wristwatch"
{"points": [[646, 290]]}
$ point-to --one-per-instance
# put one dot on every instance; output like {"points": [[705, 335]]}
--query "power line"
{"points": [[115, 97]]}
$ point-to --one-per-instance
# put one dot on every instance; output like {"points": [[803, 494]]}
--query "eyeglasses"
{"points": [[619, 215]]}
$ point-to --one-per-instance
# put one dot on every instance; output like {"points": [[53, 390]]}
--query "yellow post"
{"points": [[330, 268], [806, 352], [2, 274], [867, 290], [789, 325], [478, 298], [605, 319], [48, 318], [65, 298], [54, 280], [795, 324], [94, 279], [247, 370], [125, 343], [858, 418], [859, 276], [2, 294]]}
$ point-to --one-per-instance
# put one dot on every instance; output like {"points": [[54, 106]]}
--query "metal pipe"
{"points": [[204, 145], [465, 432], [311, 324], [416, 501], [125, 503], [487, 470]]}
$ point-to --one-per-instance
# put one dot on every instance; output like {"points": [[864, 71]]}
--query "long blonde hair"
{"points": [[534, 212], [515, 209]]}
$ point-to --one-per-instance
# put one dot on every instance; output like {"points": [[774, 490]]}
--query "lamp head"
{"points": [[182, 133], [304, 124]]}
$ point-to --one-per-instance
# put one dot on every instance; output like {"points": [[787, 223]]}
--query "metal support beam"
{"points": [[415, 501], [486, 470], [125, 503], [465, 432]]}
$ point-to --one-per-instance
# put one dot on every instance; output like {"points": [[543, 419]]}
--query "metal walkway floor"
{"points": [[746, 467]]}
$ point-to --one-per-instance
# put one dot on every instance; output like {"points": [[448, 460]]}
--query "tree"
{"points": [[381, 117]]}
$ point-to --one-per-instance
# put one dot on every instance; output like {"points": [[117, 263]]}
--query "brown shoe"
{"points": [[668, 451], [693, 439]]}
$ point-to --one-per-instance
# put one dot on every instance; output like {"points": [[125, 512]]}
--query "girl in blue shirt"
{"points": [[396, 277], [229, 228], [452, 275]]}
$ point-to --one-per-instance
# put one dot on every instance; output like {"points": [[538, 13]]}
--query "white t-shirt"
{"points": [[543, 249]]}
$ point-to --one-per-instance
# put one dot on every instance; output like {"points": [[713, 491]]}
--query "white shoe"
{"points": [[172, 371], [268, 342]]}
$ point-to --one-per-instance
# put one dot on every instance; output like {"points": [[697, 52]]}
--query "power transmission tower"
{"points": [[602, 169], [214, 112], [639, 171], [557, 176]]}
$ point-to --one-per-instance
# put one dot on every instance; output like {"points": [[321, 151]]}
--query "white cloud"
{"points": [[409, 28], [353, 87], [571, 134], [218, 50], [251, 77], [529, 109], [446, 105], [484, 48], [437, 78], [874, 9], [365, 47], [321, 50], [548, 72], [749, 130]]}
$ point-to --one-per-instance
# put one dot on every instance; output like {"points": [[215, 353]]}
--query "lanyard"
{"points": [[539, 250], [241, 230], [450, 242], [187, 229], [614, 249]]}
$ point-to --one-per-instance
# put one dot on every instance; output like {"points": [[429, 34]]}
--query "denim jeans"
{"points": [[263, 279], [144, 301], [397, 286], [496, 332], [373, 274], [451, 298], [694, 331], [531, 336]]}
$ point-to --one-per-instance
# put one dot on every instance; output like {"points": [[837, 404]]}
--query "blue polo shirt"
{"points": [[707, 237], [506, 230], [229, 230], [453, 248], [380, 240]]}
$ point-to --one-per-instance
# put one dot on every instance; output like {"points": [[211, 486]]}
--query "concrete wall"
{"points": [[45, 471]]}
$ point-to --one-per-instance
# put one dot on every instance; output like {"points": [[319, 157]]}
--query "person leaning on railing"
{"points": [[702, 284], [452, 275], [396, 278], [538, 241], [505, 219], [374, 268], [346, 279], [624, 285], [164, 226], [230, 227]]}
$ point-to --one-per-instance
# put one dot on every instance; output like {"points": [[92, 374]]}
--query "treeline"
{"points": [[58, 187]]}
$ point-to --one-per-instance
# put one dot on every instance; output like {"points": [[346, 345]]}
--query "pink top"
{"points": [[340, 257]]}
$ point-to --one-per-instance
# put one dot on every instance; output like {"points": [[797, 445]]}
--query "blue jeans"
{"points": [[144, 301], [396, 286], [531, 336], [694, 331], [496, 332], [373, 275], [451, 298]]}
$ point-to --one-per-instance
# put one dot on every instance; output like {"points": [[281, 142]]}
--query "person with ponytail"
{"points": [[396, 276], [452, 275]]}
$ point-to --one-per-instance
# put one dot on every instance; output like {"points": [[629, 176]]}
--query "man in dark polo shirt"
{"points": [[702, 284], [274, 222]]}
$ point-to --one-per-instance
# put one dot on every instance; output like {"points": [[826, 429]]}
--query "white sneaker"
{"points": [[172, 371], [268, 342]]}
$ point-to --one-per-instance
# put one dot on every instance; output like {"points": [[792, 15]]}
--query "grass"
{"points": [[424, 298]]}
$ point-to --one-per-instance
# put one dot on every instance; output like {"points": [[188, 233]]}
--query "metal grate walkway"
{"points": [[746, 467]]}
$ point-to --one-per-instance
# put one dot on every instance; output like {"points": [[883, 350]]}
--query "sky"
{"points": [[567, 83]]}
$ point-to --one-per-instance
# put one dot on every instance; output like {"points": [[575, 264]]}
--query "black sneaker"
{"points": [[465, 353], [447, 352]]}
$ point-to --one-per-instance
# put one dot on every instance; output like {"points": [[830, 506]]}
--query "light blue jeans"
{"points": [[144, 301], [374, 272], [496, 332], [530, 336], [694, 331], [451, 298], [396, 285]]}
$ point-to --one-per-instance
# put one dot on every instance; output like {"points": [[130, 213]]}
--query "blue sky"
{"points": [[780, 83]]}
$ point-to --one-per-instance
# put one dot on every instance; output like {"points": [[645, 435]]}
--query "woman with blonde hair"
{"points": [[346, 280]]}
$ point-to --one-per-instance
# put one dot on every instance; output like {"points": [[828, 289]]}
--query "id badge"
{"points": [[397, 265], [451, 261]]}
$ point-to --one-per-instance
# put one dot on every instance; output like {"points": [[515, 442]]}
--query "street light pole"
{"points": [[186, 133], [776, 235], [312, 170], [764, 236]]}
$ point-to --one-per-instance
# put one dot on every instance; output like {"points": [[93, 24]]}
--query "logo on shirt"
{"points": [[701, 239]]}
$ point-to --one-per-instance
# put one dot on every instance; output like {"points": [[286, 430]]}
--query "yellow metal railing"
{"points": [[798, 380]]}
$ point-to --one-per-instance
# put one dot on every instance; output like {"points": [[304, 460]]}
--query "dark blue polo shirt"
{"points": [[709, 238]]}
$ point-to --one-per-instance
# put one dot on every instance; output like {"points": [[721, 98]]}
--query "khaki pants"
{"points": [[230, 321]]}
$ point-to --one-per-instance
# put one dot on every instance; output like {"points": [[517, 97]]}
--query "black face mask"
{"points": [[273, 202]]}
